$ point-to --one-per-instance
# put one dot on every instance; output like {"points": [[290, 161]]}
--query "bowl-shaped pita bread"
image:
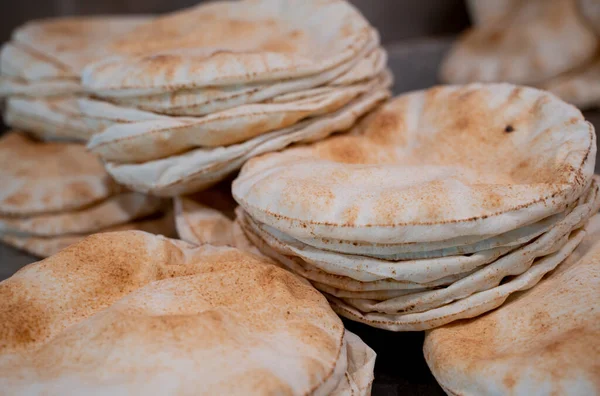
{"points": [[38, 177], [535, 41], [229, 42], [542, 341], [136, 313], [431, 165]]}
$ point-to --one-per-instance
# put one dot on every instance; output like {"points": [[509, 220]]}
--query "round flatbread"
{"points": [[113, 211], [39, 177], [542, 341], [228, 42], [146, 314], [432, 165]]}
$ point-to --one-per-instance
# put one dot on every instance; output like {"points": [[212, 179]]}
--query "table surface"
{"points": [[400, 367]]}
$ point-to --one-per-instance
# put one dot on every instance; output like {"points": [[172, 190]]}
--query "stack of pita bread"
{"points": [[54, 194], [543, 341], [40, 71], [187, 98], [134, 313], [434, 208], [552, 44]]}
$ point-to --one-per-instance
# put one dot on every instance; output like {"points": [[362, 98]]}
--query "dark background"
{"points": [[395, 19]]}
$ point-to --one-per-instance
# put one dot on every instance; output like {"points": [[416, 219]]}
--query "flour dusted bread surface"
{"points": [[429, 166], [544, 340], [134, 312], [40, 177], [227, 43], [72, 42]]}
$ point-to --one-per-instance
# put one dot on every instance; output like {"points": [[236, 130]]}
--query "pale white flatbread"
{"points": [[136, 313], [542, 341], [448, 162]]}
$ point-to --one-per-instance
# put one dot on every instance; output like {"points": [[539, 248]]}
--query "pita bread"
{"points": [[15, 87], [150, 140], [430, 165], [366, 269], [514, 263], [47, 246], [318, 276], [536, 41], [162, 290], [542, 341], [450, 247], [113, 211], [47, 119], [21, 63], [40, 177], [580, 87], [227, 43], [99, 115], [207, 100], [469, 307], [472, 280], [200, 168], [73, 42]]}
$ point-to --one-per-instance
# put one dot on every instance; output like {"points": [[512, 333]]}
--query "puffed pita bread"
{"points": [[47, 118], [39, 177], [430, 165], [542, 341], [163, 289], [47, 246], [580, 87], [200, 168], [226, 43], [73, 42], [538, 40], [150, 140], [207, 100], [113, 211]]}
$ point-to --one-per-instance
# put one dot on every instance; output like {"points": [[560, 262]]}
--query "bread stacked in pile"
{"points": [[40, 72], [54, 194], [186, 99], [134, 313], [551, 44], [436, 207]]}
